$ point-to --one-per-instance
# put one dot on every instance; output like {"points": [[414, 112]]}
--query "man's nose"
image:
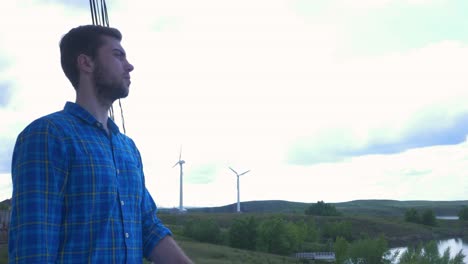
{"points": [[129, 67]]}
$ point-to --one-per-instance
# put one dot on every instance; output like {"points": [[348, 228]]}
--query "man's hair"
{"points": [[82, 40]]}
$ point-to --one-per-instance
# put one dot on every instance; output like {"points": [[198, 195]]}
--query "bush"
{"points": [[429, 254]]}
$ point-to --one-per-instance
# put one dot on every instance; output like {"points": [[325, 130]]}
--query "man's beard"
{"points": [[108, 89]]}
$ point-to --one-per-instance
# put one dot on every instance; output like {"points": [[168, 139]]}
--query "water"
{"points": [[447, 217], [455, 245]]}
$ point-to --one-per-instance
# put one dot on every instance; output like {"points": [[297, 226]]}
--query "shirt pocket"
{"points": [[92, 185], [131, 178]]}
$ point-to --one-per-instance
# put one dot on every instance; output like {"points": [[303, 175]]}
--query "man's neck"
{"points": [[95, 107]]}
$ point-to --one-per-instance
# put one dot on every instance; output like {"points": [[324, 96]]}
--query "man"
{"points": [[79, 192]]}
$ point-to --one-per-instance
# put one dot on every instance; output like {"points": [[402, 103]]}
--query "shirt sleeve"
{"points": [[153, 230], [39, 175]]}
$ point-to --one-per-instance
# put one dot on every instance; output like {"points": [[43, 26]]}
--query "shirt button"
{"points": [[122, 203], [118, 171], [127, 235]]}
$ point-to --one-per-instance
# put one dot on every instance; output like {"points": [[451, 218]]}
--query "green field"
{"points": [[209, 253], [3, 254], [395, 230]]}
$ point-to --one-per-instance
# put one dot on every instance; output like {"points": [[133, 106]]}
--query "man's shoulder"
{"points": [[128, 140], [56, 121]]}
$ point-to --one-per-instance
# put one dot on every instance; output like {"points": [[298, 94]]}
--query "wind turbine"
{"points": [[238, 195], [180, 162]]}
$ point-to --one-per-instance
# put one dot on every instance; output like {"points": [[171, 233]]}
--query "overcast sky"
{"points": [[322, 100]]}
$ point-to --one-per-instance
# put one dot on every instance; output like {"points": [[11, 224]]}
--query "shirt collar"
{"points": [[78, 111]]}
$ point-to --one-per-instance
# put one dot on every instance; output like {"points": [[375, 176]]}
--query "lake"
{"points": [[455, 245], [447, 217]]}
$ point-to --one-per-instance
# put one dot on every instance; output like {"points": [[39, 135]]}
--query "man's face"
{"points": [[112, 71]]}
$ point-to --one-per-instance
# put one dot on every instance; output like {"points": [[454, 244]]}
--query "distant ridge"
{"points": [[5, 204], [269, 206], [356, 207]]}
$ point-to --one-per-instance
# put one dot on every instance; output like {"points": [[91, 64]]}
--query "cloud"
{"points": [[5, 154], [12, 123], [202, 174], [425, 129], [371, 27], [69, 3], [6, 93], [4, 61], [5, 186], [416, 172]]}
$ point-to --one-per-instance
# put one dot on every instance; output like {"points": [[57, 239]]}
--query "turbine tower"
{"points": [[181, 198], [238, 195]]}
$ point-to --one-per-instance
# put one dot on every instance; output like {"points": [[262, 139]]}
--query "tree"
{"points": [[308, 230], [341, 249], [322, 209], [428, 218], [243, 233], [412, 215], [277, 236], [333, 230], [368, 251], [203, 230], [463, 214]]}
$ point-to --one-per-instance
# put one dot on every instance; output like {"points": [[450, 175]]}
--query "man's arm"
{"points": [[158, 244], [39, 172], [167, 251]]}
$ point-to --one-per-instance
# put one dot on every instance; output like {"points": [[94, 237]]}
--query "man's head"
{"points": [[95, 52]]}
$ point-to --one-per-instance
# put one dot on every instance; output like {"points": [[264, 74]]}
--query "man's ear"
{"points": [[85, 63]]}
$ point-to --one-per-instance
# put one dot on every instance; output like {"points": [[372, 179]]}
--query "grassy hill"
{"points": [[395, 208], [270, 206], [357, 207]]}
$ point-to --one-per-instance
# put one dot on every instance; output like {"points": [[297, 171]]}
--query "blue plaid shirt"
{"points": [[79, 195]]}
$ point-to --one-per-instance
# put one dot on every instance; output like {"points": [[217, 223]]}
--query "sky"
{"points": [[332, 100]]}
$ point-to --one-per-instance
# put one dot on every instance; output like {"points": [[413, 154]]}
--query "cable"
{"points": [[100, 17]]}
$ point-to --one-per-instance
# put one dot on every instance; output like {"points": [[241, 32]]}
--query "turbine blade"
{"points": [[175, 164], [180, 153], [244, 173], [233, 170]]}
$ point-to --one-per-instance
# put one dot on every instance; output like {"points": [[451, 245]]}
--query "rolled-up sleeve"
{"points": [[39, 175], [153, 228]]}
